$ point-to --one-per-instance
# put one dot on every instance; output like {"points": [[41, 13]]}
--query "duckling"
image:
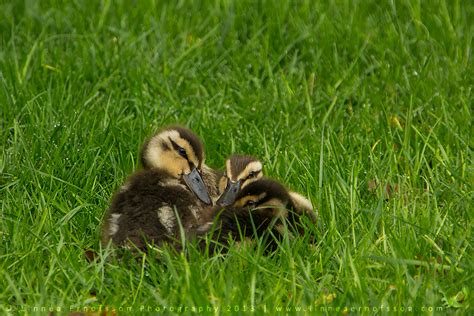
{"points": [[151, 150], [177, 149], [240, 171], [258, 209], [169, 193]]}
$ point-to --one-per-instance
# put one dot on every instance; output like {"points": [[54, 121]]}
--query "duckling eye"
{"points": [[182, 152], [253, 174], [250, 203]]}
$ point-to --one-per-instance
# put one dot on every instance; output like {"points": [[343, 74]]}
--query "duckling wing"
{"points": [[145, 209]]}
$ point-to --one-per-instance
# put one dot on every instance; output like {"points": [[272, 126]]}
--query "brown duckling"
{"points": [[169, 193], [258, 209], [151, 150], [240, 171]]}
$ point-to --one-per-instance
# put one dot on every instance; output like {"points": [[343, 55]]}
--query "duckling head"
{"points": [[265, 194], [180, 153], [240, 172]]}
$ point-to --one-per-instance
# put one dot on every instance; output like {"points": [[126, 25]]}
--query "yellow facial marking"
{"points": [[228, 169], [189, 150], [244, 200], [170, 160], [176, 166], [222, 184], [254, 166]]}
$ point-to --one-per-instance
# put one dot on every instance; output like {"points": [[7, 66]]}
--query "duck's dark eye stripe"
{"points": [[179, 149], [253, 174]]}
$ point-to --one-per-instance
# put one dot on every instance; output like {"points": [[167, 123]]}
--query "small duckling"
{"points": [[240, 171], [179, 151], [258, 209], [153, 203], [151, 151]]}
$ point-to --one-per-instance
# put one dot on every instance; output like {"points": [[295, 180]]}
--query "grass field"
{"points": [[366, 107]]}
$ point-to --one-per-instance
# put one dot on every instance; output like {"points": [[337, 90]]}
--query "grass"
{"points": [[363, 106]]}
